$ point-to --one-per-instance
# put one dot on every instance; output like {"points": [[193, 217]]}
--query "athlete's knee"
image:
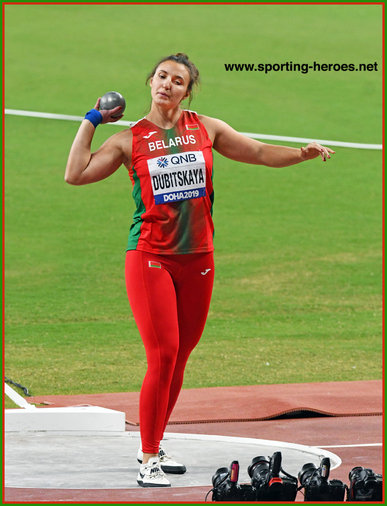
{"points": [[161, 366], [163, 357], [168, 354]]}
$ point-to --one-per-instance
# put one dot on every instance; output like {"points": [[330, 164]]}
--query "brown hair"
{"points": [[184, 60]]}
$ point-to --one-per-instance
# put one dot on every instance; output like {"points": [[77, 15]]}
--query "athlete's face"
{"points": [[169, 84]]}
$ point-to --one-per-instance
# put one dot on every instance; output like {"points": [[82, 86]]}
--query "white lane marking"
{"points": [[351, 446], [356, 145]]}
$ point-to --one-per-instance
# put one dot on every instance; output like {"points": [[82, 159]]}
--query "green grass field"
{"points": [[298, 289]]}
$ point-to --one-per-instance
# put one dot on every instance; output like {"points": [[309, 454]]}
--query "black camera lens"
{"points": [[258, 463], [355, 472], [307, 471], [316, 484], [226, 487], [360, 474], [365, 485], [220, 475], [363, 477], [261, 470]]}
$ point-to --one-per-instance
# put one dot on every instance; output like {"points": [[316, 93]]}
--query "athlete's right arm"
{"points": [[84, 167]]}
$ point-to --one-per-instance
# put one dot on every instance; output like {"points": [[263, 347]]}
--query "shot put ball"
{"points": [[112, 99]]}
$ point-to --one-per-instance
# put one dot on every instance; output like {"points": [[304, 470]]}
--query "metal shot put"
{"points": [[112, 99]]}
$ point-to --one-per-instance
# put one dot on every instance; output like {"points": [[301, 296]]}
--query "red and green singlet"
{"points": [[173, 192]]}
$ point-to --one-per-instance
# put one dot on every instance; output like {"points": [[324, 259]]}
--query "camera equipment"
{"points": [[226, 487], [267, 482], [365, 485], [316, 484]]}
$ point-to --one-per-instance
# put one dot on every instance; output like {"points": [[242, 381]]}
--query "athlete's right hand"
{"points": [[107, 114]]}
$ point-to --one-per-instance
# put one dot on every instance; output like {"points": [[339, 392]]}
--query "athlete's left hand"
{"points": [[109, 115], [314, 149]]}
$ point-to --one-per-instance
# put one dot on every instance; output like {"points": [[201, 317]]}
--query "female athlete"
{"points": [[169, 266]]}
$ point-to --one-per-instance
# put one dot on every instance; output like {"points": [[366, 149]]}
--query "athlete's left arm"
{"points": [[232, 144]]}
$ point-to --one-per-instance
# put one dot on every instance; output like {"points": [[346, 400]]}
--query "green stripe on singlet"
{"points": [[184, 226], [135, 228]]}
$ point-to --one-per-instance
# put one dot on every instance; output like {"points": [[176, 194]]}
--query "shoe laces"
{"points": [[155, 470]]}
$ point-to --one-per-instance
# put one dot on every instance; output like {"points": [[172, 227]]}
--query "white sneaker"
{"points": [[167, 463], [150, 474]]}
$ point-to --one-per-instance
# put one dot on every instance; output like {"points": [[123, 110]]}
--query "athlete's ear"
{"points": [[150, 81]]}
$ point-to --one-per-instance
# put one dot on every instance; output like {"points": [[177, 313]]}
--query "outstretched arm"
{"points": [[232, 144], [84, 167]]}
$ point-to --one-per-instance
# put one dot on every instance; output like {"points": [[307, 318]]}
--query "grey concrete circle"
{"points": [[87, 460]]}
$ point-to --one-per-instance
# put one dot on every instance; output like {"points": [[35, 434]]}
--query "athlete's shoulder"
{"points": [[213, 126], [119, 138], [209, 120], [122, 138]]}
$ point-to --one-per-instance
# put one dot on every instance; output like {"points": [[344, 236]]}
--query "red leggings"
{"points": [[169, 296]]}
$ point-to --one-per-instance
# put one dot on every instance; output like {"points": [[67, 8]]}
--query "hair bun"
{"points": [[182, 55]]}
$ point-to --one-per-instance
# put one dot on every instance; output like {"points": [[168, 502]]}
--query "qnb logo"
{"points": [[183, 158], [162, 162]]}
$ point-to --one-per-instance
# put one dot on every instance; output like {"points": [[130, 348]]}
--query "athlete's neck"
{"points": [[164, 118]]}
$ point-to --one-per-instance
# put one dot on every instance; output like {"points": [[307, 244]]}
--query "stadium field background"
{"points": [[298, 289]]}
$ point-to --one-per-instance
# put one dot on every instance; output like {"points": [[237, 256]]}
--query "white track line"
{"points": [[355, 145], [352, 446], [47, 115], [17, 398]]}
